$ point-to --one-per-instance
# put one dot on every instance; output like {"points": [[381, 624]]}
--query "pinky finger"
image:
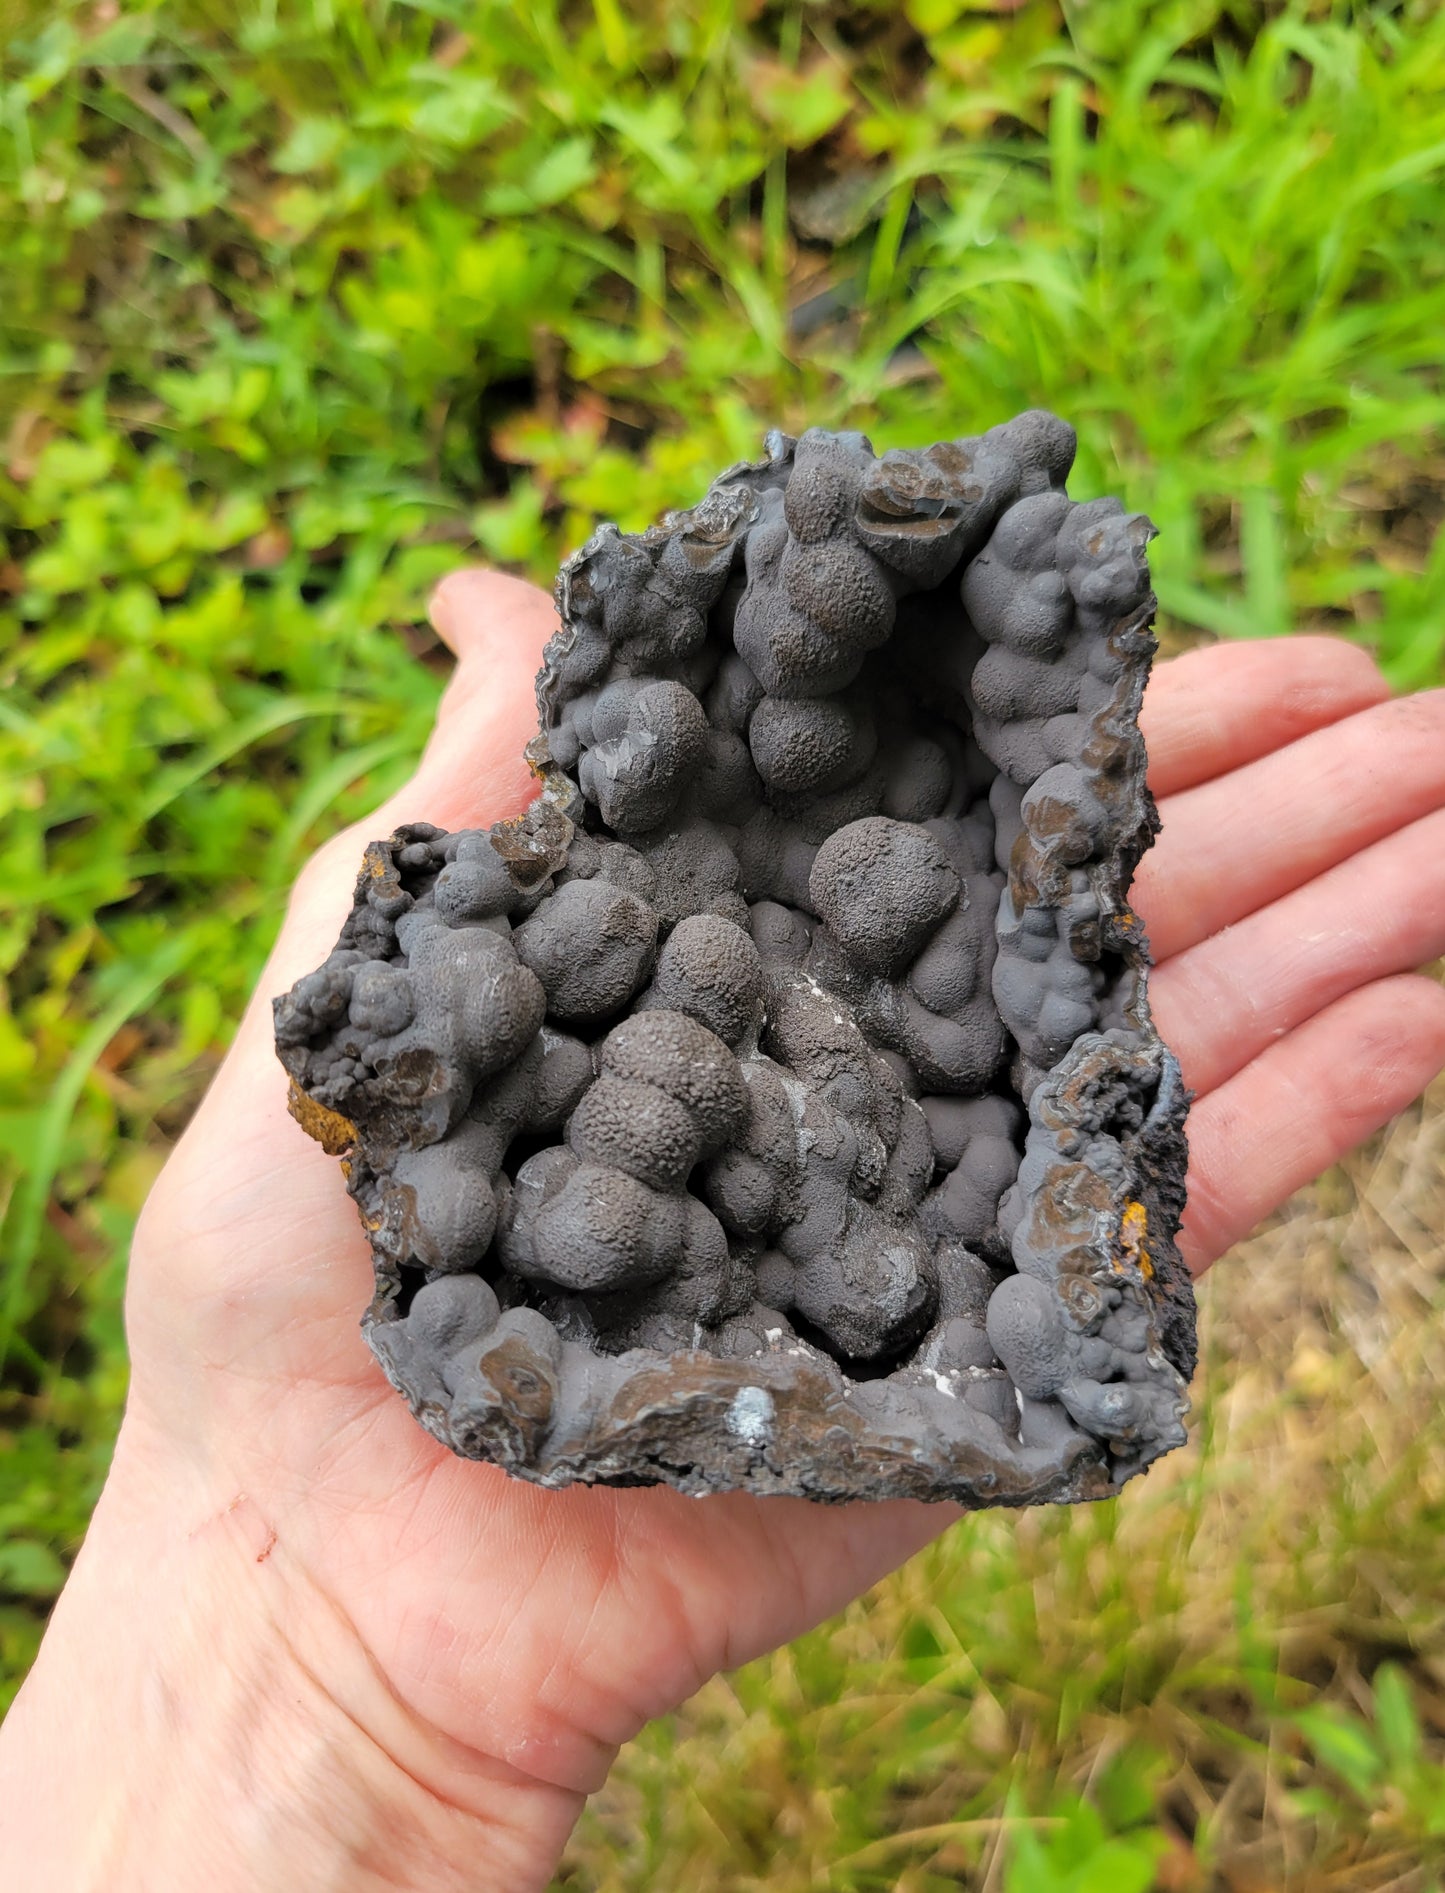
{"points": [[1301, 1105]]}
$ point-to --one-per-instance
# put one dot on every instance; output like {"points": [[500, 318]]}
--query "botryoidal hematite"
{"points": [[775, 1104]]}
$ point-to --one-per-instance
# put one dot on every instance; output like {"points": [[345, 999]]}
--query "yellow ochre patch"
{"points": [[335, 1133], [1133, 1229]]}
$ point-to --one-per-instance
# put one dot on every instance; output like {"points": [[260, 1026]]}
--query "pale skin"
{"points": [[304, 1647]]}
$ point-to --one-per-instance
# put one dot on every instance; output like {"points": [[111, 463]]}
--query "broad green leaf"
{"points": [[1395, 1717], [800, 106], [1343, 1744]]}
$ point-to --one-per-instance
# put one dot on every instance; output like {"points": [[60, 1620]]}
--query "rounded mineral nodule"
{"points": [[775, 1105]]}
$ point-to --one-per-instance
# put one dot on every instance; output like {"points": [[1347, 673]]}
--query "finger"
{"points": [[1232, 846], [470, 773], [1216, 709], [468, 603], [1302, 1104], [472, 770], [1226, 1000]]}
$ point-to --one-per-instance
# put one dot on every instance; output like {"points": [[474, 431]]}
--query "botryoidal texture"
{"points": [[775, 1104]]}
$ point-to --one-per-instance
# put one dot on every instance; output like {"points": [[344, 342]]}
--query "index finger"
{"points": [[1225, 705]]}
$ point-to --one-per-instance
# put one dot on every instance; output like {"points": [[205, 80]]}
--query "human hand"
{"points": [[418, 1667]]}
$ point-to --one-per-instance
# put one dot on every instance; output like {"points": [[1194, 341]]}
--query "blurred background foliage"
{"points": [[304, 302]]}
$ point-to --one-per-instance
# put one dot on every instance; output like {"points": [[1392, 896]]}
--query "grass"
{"points": [[304, 302]]}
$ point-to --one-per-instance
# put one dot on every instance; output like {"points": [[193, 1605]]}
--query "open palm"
{"points": [[518, 1636]]}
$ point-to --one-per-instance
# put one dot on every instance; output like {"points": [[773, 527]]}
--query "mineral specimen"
{"points": [[775, 1104]]}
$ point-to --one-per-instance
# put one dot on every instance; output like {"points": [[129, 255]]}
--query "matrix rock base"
{"points": [[775, 1104]]}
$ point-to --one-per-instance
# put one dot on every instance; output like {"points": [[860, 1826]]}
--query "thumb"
{"points": [[471, 773], [472, 770]]}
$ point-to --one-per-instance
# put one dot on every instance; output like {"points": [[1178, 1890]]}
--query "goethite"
{"points": [[775, 1105]]}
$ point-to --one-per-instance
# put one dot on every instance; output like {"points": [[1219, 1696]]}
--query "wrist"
{"points": [[200, 1715]]}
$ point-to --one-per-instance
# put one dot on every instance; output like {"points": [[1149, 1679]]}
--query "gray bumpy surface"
{"points": [[775, 1104]]}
